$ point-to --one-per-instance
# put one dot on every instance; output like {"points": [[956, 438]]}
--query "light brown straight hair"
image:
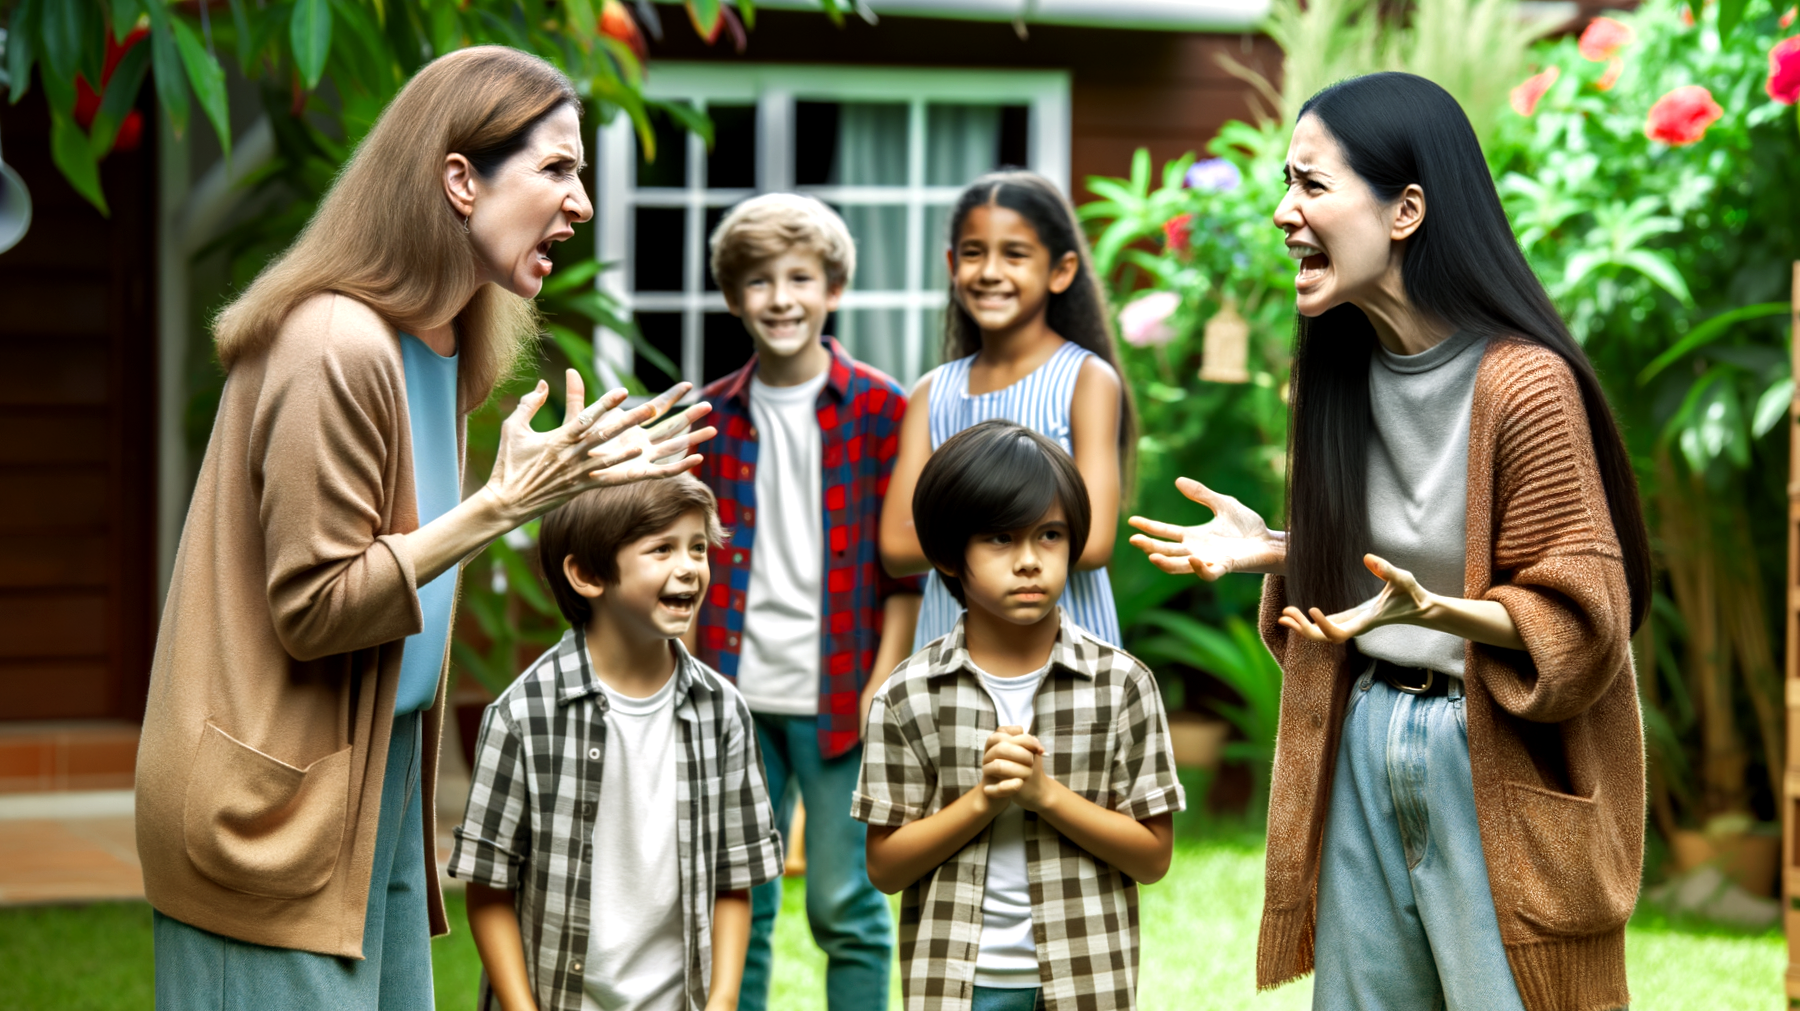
{"points": [[385, 233]]}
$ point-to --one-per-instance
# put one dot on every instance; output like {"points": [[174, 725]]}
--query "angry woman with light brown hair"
{"points": [[287, 768]]}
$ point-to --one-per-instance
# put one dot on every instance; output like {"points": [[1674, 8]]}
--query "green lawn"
{"points": [[1198, 951]]}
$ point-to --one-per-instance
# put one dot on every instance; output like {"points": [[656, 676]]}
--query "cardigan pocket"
{"points": [[257, 825], [1570, 878]]}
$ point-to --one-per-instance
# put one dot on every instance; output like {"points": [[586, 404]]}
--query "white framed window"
{"points": [[889, 148]]}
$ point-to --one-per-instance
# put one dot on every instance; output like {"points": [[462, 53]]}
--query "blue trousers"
{"points": [[197, 970], [850, 919], [1406, 920], [993, 998]]}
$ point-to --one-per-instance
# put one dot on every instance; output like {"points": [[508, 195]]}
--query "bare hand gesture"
{"points": [[1401, 602], [1012, 768], [594, 447], [1235, 540]]}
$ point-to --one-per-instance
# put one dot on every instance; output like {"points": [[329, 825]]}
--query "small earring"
{"points": [[465, 224]]}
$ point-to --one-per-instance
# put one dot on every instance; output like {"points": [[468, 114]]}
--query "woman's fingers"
{"points": [[1333, 631], [1152, 546], [574, 395], [581, 425], [530, 402], [671, 425], [1157, 528], [664, 400], [1174, 566], [1198, 492]]}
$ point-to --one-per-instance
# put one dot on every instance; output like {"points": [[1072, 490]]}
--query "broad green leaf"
{"points": [[570, 277], [208, 79], [165, 66], [124, 18], [309, 32], [446, 27], [705, 14], [688, 117], [65, 28], [1708, 332], [1772, 406], [69, 149], [1140, 171], [747, 10], [582, 18], [121, 95], [1730, 13], [240, 22], [1657, 268], [21, 48]]}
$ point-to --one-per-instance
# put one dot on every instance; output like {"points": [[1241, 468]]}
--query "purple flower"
{"points": [[1144, 322], [1214, 174]]}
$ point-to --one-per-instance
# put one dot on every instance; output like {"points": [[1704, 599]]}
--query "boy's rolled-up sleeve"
{"points": [[750, 852], [1143, 772], [494, 839], [895, 783]]}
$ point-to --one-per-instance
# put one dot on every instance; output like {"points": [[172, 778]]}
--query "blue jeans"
{"points": [[1406, 921], [197, 970], [994, 998], [850, 919]]}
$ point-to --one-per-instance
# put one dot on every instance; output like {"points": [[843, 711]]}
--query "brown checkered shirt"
{"points": [[1099, 714]]}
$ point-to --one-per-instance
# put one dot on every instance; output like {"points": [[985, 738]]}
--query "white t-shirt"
{"points": [[637, 944], [1008, 956], [778, 668]]}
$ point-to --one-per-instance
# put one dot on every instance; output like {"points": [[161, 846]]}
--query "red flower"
{"points": [[1613, 69], [617, 23], [1784, 71], [1178, 233], [1603, 38], [1525, 97], [1682, 116], [1788, 18], [87, 100]]}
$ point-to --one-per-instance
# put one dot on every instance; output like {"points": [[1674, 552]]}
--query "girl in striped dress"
{"points": [[1027, 337]]}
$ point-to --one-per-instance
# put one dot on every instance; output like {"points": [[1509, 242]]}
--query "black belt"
{"points": [[1413, 680]]}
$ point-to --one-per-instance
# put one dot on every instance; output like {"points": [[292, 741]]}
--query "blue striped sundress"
{"points": [[1040, 401]]}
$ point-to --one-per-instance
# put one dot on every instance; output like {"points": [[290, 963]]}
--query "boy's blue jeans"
{"points": [[849, 917], [1405, 918], [197, 970]]}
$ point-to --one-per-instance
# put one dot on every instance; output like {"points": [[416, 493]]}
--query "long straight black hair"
{"points": [[1464, 266], [1079, 314]]}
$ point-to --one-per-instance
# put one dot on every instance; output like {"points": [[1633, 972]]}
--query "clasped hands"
{"points": [[1012, 770]]}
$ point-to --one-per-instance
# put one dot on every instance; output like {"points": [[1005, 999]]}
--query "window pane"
{"points": [[1015, 135], [732, 162], [728, 346], [662, 330], [880, 233], [961, 142], [931, 342], [656, 251], [850, 144], [937, 243], [714, 215], [876, 336], [670, 166]]}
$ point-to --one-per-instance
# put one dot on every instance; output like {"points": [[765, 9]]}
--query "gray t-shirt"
{"points": [[1418, 486]]}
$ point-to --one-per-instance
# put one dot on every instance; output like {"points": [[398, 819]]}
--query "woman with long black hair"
{"points": [[1457, 811]]}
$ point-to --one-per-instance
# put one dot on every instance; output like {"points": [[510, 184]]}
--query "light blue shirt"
{"points": [[431, 412]]}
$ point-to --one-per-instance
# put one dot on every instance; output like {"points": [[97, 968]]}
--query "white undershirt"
{"points": [[778, 666], [1008, 956], [637, 943]]}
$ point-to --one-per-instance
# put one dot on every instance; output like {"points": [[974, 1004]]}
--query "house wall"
{"points": [[77, 438], [1166, 91]]}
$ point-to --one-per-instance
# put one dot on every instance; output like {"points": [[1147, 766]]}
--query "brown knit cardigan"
{"points": [[1556, 745], [265, 740]]}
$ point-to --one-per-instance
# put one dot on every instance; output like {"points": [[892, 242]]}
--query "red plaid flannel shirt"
{"points": [[859, 413]]}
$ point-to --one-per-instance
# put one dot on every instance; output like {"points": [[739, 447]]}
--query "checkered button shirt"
{"points": [[1099, 715], [535, 797]]}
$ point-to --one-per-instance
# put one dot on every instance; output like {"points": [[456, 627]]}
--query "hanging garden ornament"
{"points": [[1225, 356]]}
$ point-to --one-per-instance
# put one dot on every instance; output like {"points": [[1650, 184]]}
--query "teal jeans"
{"points": [[197, 970], [850, 919], [1405, 918]]}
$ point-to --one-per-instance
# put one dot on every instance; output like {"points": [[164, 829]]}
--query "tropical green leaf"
{"points": [[446, 27], [309, 32], [75, 159], [64, 32], [1706, 333], [21, 48], [569, 277], [1774, 404], [208, 80], [124, 15], [688, 117], [121, 95], [1658, 269], [706, 15], [1730, 13], [165, 66]]}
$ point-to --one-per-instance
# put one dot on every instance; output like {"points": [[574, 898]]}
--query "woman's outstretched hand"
{"points": [[595, 446], [1402, 601], [1235, 540]]}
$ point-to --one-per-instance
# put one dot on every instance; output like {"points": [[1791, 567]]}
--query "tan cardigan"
{"points": [[272, 693], [1556, 745]]}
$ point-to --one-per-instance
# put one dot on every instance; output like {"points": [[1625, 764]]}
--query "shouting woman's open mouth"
{"points": [[1313, 262]]}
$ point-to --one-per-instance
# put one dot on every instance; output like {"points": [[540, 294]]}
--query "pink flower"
{"points": [[1784, 71], [1144, 322], [1682, 116], [1525, 97], [1178, 233], [1603, 38]]}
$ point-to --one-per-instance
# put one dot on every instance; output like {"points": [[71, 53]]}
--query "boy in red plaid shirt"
{"points": [[800, 612]]}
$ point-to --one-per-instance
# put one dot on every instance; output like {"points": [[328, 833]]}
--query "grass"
{"points": [[1199, 944]]}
